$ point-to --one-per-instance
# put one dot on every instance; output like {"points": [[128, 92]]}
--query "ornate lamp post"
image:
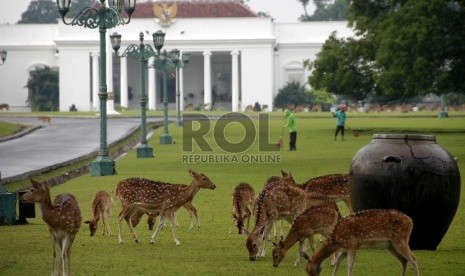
{"points": [[180, 63], [141, 52], [102, 18], [164, 62], [3, 56]]}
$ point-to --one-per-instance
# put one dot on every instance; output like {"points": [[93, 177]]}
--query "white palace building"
{"points": [[237, 57]]}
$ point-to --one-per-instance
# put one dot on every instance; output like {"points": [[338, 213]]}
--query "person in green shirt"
{"points": [[340, 114], [291, 125]]}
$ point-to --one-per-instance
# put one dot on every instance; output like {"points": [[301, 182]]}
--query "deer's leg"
{"points": [[232, 225], [281, 233], [133, 231], [403, 253], [339, 259], [161, 223], [195, 215], [350, 261], [106, 222], [65, 254], [265, 234], [302, 251], [173, 228], [55, 266]]}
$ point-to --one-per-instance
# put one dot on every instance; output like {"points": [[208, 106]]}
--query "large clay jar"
{"points": [[410, 173]]}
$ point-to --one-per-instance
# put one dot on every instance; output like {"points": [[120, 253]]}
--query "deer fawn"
{"points": [[242, 198], [383, 228], [334, 186], [164, 199], [315, 220], [63, 218], [284, 201], [100, 209]]}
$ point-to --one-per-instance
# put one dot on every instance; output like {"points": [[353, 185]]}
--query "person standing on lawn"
{"points": [[340, 114], [291, 125]]}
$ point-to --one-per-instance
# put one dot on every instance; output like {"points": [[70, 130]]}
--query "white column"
{"points": [[207, 81], [110, 100], [181, 89], [152, 104], [95, 81], [124, 82], [235, 81]]}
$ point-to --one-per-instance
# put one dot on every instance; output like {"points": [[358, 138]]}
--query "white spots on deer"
{"points": [[376, 228], [63, 218], [164, 199]]}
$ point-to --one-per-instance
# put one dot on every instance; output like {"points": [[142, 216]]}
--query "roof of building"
{"points": [[196, 9]]}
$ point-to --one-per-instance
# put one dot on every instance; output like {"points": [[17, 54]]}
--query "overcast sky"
{"points": [[280, 10]]}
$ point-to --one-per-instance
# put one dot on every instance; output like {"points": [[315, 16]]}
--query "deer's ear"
{"points": [[283, 173], [245, 230], [34, 183], [192, 173]]}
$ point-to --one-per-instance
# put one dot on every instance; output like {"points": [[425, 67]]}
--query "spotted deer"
{"points": [[63, 218], [152, 217], [319, 219], [101, 206], [163, 199], [285, 201], [375, 228], [242, 198], [269, 184], [334, 186]]}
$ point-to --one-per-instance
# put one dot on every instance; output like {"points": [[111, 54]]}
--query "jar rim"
{"points": [[405, 137]]}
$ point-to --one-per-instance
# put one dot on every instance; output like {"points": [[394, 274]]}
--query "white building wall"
{"points": [[268, 52], [28, 46], [257, 77]]}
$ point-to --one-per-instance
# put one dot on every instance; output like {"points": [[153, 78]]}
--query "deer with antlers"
{"points": [[63, 218], [285, 201], [242, 198], [382, 228], [101, 206], [319, 219], [163, 199]]}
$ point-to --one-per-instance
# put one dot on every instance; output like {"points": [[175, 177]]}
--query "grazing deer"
{"points": [[334, 186], [315, 220], [63, 218], [382, 228], [270, 183], [100, 209], [242, 198], [133, 193], [284, 201], [163, 199], [4, 106]]}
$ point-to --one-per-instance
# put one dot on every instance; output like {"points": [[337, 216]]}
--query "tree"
{"points": [[46, 11], [403, 48], [293, 93], [43, 89], [40, 12]]}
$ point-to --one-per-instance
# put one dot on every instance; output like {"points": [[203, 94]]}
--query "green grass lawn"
{"points": [[27, 249]]}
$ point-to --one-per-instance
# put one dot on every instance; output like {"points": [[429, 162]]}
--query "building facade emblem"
{"points": [[165, 13]]}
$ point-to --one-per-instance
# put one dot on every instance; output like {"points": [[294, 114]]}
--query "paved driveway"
{"points": [[62, 140]]}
